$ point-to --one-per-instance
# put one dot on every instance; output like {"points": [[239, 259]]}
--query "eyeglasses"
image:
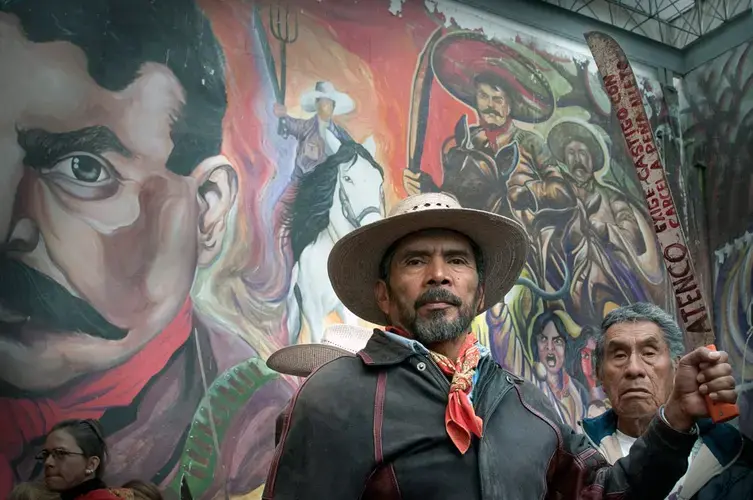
{"points": [[57, 454]]}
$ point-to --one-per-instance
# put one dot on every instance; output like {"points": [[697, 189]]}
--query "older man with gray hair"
{"points": [[636, 358]]}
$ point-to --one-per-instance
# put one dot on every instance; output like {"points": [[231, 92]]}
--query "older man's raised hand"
{"points": [[699, 373]]}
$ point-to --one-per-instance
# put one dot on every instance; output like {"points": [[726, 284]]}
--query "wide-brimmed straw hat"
{"points": [[325, 90], [354, 261], [337, 341]]}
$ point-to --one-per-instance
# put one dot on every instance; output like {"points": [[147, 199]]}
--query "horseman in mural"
{"points": [[340, 195], [325, 102], [495, 165], [116, 194], [609, 244]]}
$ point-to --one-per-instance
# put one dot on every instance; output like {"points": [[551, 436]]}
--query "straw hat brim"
{"points": [[300, 360], [353, 263]]}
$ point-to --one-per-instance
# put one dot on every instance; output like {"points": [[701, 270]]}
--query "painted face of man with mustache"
{"points": [[432, 288], [106, 211], [492, 104], [579, 161]]}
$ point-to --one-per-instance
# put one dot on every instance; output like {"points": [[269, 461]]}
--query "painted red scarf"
{"points": [[460, 418], [27, 419], [493, 133]]}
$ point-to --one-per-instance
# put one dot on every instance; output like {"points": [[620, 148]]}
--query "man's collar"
{"points": [[411, 344], [598, 428], [382, 350], [387, 348]]}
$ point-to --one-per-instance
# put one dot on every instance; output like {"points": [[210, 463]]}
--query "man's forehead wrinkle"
{"points": [[637, 339]]}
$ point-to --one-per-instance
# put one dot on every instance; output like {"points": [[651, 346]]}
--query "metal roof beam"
{"points": [[566, 24]]}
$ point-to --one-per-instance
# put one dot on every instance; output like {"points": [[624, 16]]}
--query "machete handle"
{"points": [[720, 412]]}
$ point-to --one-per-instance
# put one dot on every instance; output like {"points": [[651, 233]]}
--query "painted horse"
{"points": [[341, 194]]}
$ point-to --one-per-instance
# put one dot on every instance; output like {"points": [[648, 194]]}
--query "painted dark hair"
{"points": [[493, 80], [573, 355], [539, 323], [119, 36], [89, 436]]}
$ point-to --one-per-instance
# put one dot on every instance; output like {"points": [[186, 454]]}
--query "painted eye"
{"points": [[82, 168], [347, 179]]}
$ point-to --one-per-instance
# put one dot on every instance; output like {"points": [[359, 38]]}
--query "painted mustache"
{"points": [[42, 301], [490, 111], [438, 295]]}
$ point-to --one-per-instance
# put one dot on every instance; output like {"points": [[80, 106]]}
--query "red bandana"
{"points": [[27, 419], [460, 418], [493, 133]]}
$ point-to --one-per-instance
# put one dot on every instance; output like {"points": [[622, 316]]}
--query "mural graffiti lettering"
{"points": [[620, 81]]}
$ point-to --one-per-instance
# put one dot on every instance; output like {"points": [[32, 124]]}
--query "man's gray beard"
{"points": [[436, 328]]}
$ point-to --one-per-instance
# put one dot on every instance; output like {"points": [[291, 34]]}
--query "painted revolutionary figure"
{"points": [[550, 347], [494, 165], [116, 193], [326, 102], [609, 243]]}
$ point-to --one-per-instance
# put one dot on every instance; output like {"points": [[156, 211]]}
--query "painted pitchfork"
{"points": [[283, 23]]}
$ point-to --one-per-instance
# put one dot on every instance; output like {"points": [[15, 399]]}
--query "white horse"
{"points": [[341, 194]]}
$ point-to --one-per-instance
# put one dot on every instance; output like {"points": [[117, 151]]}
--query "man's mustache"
{"points": [[438, 295], [47, 304], [490, 111], [579, 166]]}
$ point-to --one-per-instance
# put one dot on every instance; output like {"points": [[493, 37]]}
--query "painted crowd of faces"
{"points": [[163, 233]]}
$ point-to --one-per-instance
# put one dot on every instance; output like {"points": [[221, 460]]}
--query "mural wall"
{"points": [[174, 176], [717, 116], [717, 109], [733, 292]]}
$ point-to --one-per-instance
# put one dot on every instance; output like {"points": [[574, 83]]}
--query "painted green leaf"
{"points": [[227, 395]]}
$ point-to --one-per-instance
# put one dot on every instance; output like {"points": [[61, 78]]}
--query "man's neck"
{"points": [[449, 348], [634, 427]]}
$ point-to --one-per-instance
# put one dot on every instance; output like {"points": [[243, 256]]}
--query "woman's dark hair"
{"points": [[144, 489], [89, 437]]}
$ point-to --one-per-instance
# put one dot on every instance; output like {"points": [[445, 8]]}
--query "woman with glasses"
{"points": [[74, 457]]}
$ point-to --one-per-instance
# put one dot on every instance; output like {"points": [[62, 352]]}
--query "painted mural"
{"points": [[717, 111], [733, 313], [174, 175]]}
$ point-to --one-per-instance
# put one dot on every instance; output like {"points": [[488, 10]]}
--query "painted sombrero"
{"points": [[458, 57], [569, 130]]}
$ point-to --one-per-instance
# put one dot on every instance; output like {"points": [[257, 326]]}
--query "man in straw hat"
{"points": [[325, 101], [423, 411]]}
